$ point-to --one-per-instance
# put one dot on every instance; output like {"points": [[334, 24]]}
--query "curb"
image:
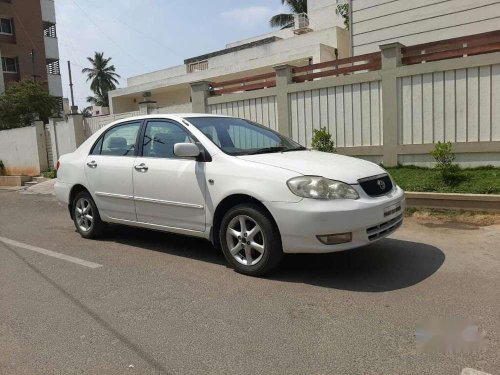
{"points": [[474, 202]]}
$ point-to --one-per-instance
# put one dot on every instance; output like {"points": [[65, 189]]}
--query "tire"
{"points": [[257, 253], [91, 226]]}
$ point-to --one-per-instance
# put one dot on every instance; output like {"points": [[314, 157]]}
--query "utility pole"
{"points": [[74, 109]]}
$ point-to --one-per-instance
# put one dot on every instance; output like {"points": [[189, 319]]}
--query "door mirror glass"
{"points": [[186, 150]]}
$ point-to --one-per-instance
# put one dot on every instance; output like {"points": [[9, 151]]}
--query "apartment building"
{"points": [[28, 44], [316, 37]]}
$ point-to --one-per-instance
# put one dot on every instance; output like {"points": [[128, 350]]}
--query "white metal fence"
{"points": [[460, 105], [351, 113], [261, 110]]}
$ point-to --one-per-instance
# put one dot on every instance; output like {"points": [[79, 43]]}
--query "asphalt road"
{"points": [[159, 303]]}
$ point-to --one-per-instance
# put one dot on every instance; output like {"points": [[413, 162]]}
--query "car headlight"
{"points": [[321, 188]]}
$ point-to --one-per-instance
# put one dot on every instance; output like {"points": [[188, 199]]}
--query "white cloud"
{"points": [[250, 16]]}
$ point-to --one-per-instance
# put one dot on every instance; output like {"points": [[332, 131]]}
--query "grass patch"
{"points": [[482, 180]]}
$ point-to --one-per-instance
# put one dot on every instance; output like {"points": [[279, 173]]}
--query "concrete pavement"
{"points": [[168, 304]]}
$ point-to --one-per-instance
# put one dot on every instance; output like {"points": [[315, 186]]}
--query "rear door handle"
{"points": [[92, 164], [141, 167]]}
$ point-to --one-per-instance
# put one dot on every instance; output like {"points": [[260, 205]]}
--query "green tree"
{"points": [[102, 77], [22, 102], [343, 11], [286, 20]]}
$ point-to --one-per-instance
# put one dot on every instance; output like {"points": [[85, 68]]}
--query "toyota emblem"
{"points": [[381, 184]]}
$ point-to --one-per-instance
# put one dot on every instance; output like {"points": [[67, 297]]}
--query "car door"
{"points": [[168, 191], [109, 168]]}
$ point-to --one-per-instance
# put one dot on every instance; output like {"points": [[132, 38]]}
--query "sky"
{"points": [[143, 36]]}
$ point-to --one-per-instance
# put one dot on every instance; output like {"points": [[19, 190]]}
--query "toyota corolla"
{"points": [[252, 192]]}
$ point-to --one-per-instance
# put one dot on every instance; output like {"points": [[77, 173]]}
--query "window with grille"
{"points": [[198, 66], [53, 68], [60, 105], [9, 64], [49, 30], [6, 26]]}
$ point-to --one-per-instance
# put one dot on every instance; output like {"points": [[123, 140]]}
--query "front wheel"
{"points": [[86, 216], [250, 240]]}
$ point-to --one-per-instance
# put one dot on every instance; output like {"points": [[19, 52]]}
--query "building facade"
{"points": [[410, 22], [317, 37], [28, 44]]}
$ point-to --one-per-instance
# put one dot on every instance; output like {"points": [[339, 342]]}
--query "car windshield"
{"points": [[236, 136]]}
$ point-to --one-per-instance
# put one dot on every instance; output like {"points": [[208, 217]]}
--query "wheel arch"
{"points": [[225, 205], [76, 189]]}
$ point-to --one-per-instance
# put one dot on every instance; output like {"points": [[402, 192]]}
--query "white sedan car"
{"points": [[252, 192]]}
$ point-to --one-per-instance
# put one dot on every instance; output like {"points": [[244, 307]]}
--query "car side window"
{"points": [[160, 138], [120, 140]]}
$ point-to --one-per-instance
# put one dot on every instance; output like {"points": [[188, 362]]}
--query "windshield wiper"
{"points": [[266, 150], [301, 148]]}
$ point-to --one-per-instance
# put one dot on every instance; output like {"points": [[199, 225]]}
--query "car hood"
{"points": [[314, 163]]}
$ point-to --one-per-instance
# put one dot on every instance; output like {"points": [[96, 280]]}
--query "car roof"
{"points": [[171, 116]]}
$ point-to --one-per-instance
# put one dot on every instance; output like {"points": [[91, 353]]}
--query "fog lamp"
{"points": [[335, 239]]}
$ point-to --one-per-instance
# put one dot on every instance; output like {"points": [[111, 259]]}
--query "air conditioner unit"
{"points": [[301, 23]]}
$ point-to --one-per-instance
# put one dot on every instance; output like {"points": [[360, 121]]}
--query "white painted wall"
{"points": [[455, 105], [51, 48], [261, 110], [411, 22], [48, 11], [23, 150], [179, 108], [351, 113], [55, 84]]}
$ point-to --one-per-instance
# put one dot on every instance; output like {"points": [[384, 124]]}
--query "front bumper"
{"points": [[368, 219]]}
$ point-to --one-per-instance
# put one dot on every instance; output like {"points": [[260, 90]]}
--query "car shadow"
{"points": [[389, 264], [168, 243]]}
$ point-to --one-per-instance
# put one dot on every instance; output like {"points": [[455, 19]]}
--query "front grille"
{"points": [[385, 228], [377, 185]]}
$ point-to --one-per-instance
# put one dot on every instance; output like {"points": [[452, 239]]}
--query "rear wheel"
{"points": [[86, 216], [250, 240]]}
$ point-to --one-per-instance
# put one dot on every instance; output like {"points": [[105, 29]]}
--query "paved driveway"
{"points": [[143, 302]]}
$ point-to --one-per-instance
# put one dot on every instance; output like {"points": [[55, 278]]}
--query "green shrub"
{"points": [[322, 140], [50, 174], [444, 157]]}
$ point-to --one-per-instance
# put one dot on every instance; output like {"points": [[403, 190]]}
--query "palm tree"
{"points": [[86, 112], [102, 76], [99, 100], [286, 20]]}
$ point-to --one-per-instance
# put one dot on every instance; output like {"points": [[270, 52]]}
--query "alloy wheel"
{"points": [[245, 240], [84, 215]]}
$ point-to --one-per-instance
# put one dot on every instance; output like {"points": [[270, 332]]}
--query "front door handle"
{"points": [[141, 167], [92, 164]]}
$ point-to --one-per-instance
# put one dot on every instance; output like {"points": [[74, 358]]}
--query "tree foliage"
{"points": [[286, 20], [102, 77], [322, 140], [23, 102], [343, 11], [86, 112]]}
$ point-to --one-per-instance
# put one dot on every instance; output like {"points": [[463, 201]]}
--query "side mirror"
{"points": [[186, 150]]}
